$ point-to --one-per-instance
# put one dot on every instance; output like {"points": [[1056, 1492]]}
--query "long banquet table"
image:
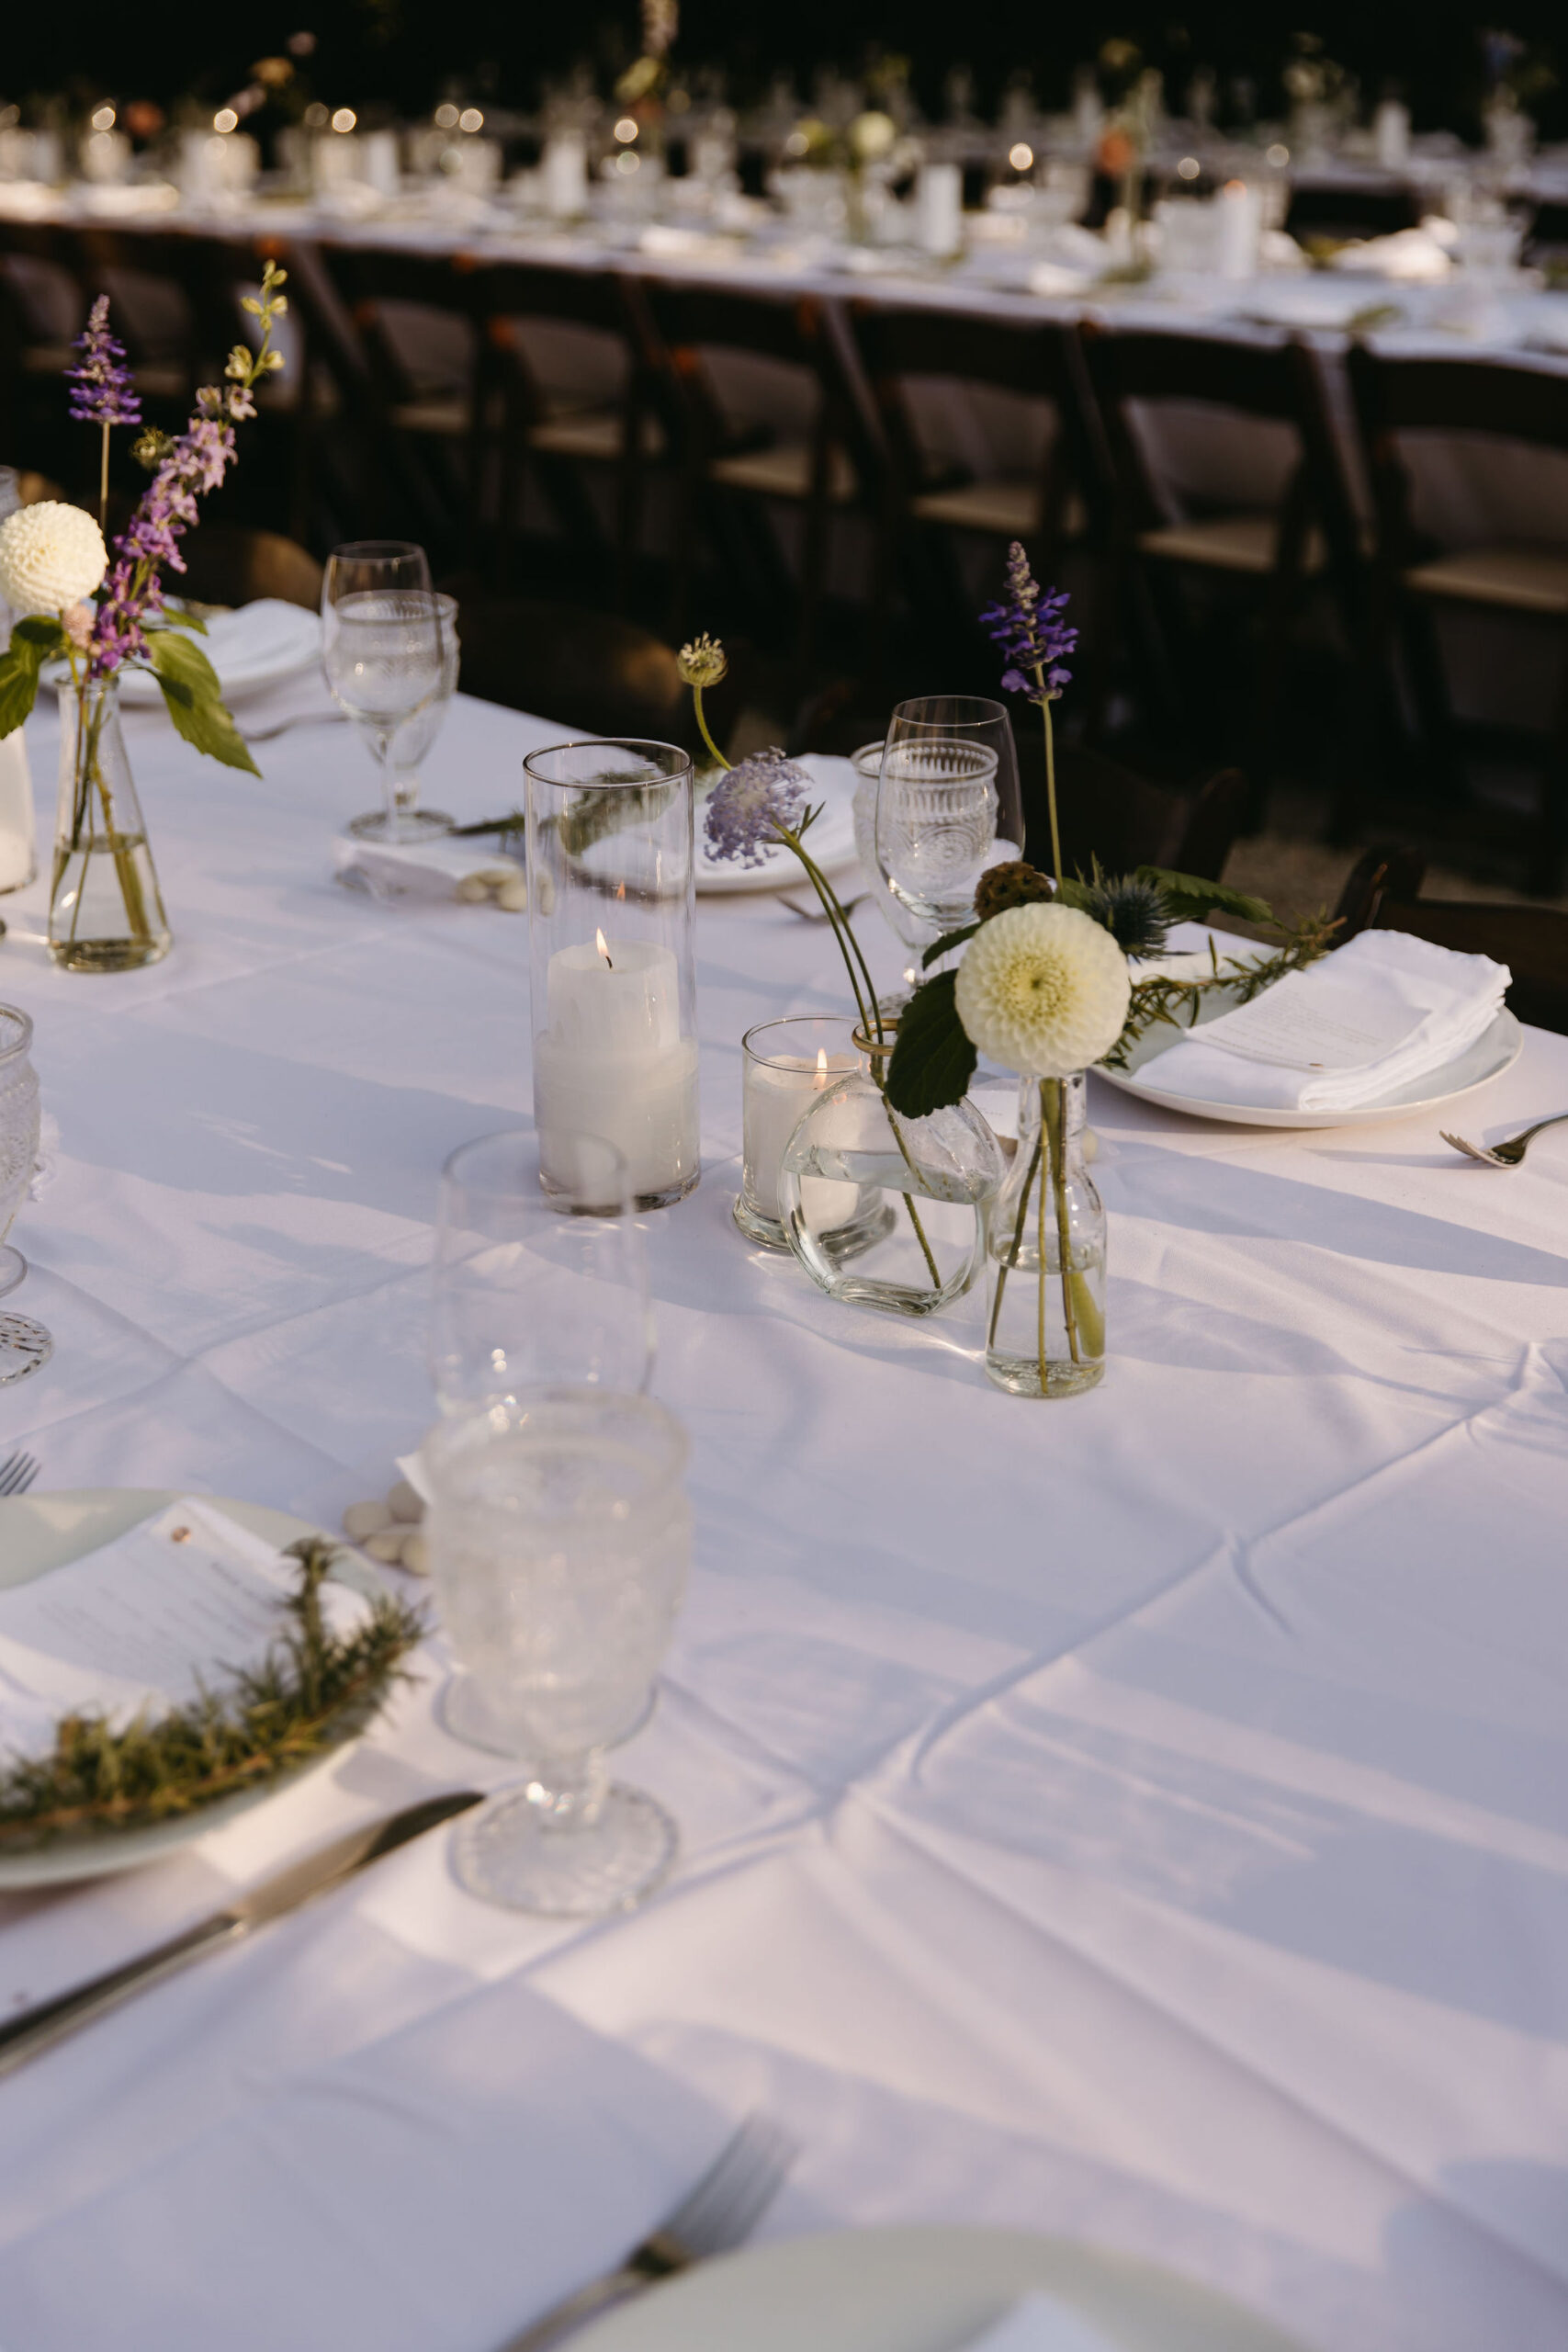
{"points": [[1143, 1818]]}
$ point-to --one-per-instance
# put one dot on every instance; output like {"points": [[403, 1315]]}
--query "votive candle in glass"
{"points": [[788, 1064]]}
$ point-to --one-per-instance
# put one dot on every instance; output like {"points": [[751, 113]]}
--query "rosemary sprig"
{"points": [[1163, 999], [313, 1690]]}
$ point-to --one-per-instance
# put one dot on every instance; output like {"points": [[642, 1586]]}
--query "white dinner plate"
{"points": [[920, 2290], [39, 1532], [253, 649], [1494, 1052], [832, 839]]}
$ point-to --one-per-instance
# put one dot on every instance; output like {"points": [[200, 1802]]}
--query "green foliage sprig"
{"points": [[313, 1690]]}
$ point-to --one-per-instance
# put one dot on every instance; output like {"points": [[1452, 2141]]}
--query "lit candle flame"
{"points": [[821, 1067], [599, 943]]}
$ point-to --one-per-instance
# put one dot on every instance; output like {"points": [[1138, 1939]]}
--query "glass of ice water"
{"points": [[383, 654], [560, 1538]]}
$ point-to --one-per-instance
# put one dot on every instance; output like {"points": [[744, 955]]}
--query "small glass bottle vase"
{"points": [[934, 1177], [105, 912], [1046, 1317]]}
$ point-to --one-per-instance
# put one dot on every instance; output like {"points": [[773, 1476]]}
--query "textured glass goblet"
{"points": [[948, 805], [559, 1542]]}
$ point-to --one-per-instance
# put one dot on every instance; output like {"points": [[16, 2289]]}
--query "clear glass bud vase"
{"points": [[105, 912], [936, 1176], [1046, 1321]]}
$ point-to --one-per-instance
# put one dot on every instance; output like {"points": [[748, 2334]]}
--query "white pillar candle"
{"points": [[1240, 214], [612, 1062], [18, 863], [939, 210], [778, 1093], [565, 175]]}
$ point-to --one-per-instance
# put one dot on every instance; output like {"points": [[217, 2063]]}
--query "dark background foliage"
{"points": [[403, 51]]}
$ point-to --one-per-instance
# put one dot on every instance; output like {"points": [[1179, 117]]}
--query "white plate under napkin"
{"points": [[254, 646], [926, 2290], [42, 1533], [1430, 1023]]}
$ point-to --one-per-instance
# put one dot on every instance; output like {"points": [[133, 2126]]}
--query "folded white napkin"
{"points": [[258, 635], [1412, 255], [431, 2192], [144, 1620], [1382, 1010], [441, 868], [1040, 2324]]}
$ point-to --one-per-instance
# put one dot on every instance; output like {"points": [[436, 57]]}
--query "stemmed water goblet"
{"points": [[383, 654], [413, 741], [24, 1344], [559, 1539], [948, 805]]}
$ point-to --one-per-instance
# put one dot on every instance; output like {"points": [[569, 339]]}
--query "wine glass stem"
{"points": [[571, 1796], [403, 792]]}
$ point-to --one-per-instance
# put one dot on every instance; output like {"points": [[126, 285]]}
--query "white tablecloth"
{"points": [[1145, 1817]]}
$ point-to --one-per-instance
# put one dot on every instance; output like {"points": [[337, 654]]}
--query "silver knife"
{"points": [[40, 2028]]}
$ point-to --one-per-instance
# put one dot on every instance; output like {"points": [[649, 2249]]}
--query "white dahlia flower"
{"points": [[51, 556], [1044, 991]]}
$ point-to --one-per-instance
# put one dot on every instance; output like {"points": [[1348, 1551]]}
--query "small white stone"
{"points": [[544, 890], [473, 889], [388, 1545], [1091, 1143], [514, 897], [415, 1554], [493, 875], [362, 1519], [405, 1502]]}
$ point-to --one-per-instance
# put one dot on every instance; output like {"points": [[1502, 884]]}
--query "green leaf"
{"points": [[18, 689], [941, 947], [1190, 898], [179, 617], [192, 700], [42, 629], [175, 656], [34, 637], [1072, 893], [933, 1059]]}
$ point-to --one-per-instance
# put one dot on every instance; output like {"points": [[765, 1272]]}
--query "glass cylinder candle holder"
{"points": [[787, 1064], [611, 912]]}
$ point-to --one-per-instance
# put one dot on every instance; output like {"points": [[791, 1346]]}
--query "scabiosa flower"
{"points": [[1029, 626], [101, 389], [752, 805]]}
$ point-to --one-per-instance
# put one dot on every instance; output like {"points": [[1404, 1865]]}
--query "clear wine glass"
{"points": [[561, 1539], [24, 1344], [381, 568], [413, 741], [948, 805]]}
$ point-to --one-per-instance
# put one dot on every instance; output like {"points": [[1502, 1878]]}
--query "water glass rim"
{"points": [[981, 704], [614, 1171], [679, 762]]}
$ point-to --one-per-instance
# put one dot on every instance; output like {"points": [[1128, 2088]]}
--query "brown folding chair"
{"points": [[1279, 551], [231, 563], [732, 469], [908, 357], [1109, 812], [561, 435], [1532, 941], [1413, 578]]}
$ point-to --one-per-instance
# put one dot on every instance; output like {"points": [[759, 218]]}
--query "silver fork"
{"points": [[819, 914], [16, 1474], [285, 726], [1507, 1154], [721, 2211]]}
